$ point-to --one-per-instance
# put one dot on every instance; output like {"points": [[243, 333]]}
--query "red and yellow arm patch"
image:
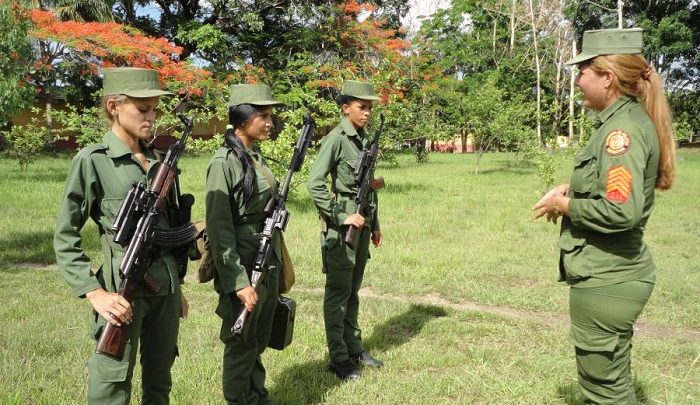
{"points": [[619, 185], [617, 142]]}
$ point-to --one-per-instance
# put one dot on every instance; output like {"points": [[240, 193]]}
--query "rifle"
{"points": [[364, 174], [135, 227], [277, 217]]}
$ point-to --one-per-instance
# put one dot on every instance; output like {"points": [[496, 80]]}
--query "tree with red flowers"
{"points": [[72, 52]]}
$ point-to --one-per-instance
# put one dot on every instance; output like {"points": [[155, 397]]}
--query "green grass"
{"points": [[461, 301]]}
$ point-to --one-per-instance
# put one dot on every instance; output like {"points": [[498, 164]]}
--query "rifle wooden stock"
{"points": [[114, 338], [351, 236]]}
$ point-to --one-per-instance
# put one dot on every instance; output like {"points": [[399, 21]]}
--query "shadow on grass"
{"points": [[33, 247], [308, 383], [569, 394], [401, 328], [304, 384]]}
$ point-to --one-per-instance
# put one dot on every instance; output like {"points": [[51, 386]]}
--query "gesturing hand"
{"points": [[547, 204]]}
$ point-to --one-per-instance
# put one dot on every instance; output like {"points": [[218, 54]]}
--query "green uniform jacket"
{"points": [[232, 227], [338, 155], [612, 196], [98, 181]]}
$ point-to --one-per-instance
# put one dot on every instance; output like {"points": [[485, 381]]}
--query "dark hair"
{"points": [[238, 115], [345, 99]]}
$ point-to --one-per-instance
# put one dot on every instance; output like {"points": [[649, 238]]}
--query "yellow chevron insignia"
{"points": [[619, 184]]}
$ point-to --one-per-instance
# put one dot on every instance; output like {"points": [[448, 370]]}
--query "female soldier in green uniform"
{"points": [[606, 207], [239, 184], [345, 267], [99, 179]]}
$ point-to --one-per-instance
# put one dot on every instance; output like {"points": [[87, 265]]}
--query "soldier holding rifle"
{"points": [[97, 184], [238, 187], [344, 263]]}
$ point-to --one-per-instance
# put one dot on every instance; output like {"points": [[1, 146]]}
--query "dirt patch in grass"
{"points": [[640, 329]]}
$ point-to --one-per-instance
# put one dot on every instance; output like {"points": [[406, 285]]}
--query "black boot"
{"points": [[345, 370], [366, 359]]}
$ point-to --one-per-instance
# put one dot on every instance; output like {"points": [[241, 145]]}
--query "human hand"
{"points": [[248, 296], [547, 204], [356, 220], [376, 184], [377, 238], [111, 306]]}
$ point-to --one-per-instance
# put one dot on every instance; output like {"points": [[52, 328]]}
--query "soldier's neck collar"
{"points": [[612, 108]]}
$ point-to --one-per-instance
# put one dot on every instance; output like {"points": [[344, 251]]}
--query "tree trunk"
{"points": [[558, 85], [580, 128], [538, 71], [572, 90], [512, 27], [493, 38], [48, 111], [620, 4]]}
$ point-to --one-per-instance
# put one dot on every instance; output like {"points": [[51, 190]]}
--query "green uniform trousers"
{"points": [[344, 269], [155, 327], [243, 377], [602, 320]]}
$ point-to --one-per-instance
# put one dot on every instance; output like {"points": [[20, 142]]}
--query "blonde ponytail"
{"points": [[634, 77]]}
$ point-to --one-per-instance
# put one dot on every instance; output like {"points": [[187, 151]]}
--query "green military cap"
{"points": [[133, 82], [357, 89], [255, 94], [608, 42]]}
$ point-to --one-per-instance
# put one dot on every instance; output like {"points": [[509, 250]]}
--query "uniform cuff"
{"points": [[81, 290], [575, 209], [242, 281], [340, 218]]}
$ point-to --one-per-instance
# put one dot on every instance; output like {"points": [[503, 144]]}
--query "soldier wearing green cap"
{"points": [[98, 181], [345, 267], [238, 186], [606, 206]]}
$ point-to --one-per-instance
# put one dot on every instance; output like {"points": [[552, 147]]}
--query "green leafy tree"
{"points": [[671, 38], [15, 57]]}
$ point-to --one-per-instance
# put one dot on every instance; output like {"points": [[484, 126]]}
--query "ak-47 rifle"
{"points": [[277, 217], [135, 227], [364, 174]]}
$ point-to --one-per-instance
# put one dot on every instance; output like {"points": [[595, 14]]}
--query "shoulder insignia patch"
{"points": [[619, 184], [617, 142]]}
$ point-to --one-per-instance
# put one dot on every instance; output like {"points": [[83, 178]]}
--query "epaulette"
{"points": [[93, 148], [222, 152]]}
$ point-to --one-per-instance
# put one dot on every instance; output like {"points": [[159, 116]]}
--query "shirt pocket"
{"points": [[573, 243], [110, 208], [585, 173], [346, 169]]}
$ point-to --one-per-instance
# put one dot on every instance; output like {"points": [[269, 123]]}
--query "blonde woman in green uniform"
{"points": [[345, 267], [99, 179], [239, 185], [606, 206]]}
